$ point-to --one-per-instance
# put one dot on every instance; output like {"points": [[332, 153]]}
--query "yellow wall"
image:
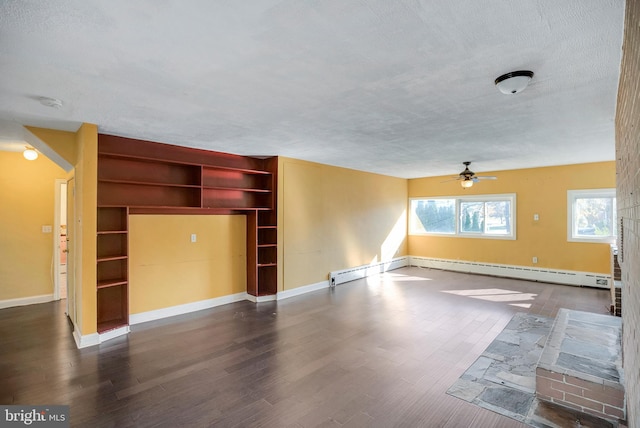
{"points": [[538, 190], [84, 156], [167, 269], [27, 203], [333, 218], [62, 142]]}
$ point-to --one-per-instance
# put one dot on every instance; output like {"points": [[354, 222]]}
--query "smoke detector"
{"points": [[50, 102]]}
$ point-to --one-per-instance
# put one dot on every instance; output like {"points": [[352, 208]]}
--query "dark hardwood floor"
{"points": [[379, 352]]}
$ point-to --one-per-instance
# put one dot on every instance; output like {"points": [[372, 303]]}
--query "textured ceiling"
{"points": [[397, 87]]}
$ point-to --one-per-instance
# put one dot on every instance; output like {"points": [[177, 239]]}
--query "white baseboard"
{"points": [[359, 272], [116, 332], [259, 299], [557, 276], [302, 290], [93, 339], [84, 341], [186, 308], [23, 301]]}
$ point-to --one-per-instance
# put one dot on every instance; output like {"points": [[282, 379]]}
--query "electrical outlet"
{"points": [[536, 217], [535, 260], [194, 238], [47, 228]]}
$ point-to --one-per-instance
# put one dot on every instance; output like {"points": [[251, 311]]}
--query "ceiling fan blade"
{"points": [[485, 177], [451, 179]]}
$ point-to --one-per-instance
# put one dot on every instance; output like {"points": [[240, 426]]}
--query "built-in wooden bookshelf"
{"points": [[142, 177], [112, 268]]}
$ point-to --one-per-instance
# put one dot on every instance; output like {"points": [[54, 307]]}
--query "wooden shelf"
{"points": [[132, 194], [105, 326], [188, 211], [242, 189], [113, 306], [143, 177], [111, 258], [112, 219], [112, 283], [147, 171], [150, 183]]}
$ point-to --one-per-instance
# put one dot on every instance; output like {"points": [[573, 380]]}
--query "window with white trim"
{"points": [[482, 216], [591, 215]]}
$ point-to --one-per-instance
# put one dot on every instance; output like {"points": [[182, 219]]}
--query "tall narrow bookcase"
{"points": [[143, 177]]}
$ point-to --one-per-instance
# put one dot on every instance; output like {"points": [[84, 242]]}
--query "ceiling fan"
{"points": [[468, 177]]}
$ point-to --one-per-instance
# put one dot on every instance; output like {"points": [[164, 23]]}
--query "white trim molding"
{"points": [[84, 341], [359, 272], [23, 301], [557, 276], [93, 339], [116, 332], [260, 299], [302, 290], [186, 308]]}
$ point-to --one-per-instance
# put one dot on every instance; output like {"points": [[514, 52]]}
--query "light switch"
{"points": [[46, 228], [193, 237], [536, 217]]}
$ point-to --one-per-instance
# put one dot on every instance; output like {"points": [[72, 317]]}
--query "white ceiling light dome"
{"points": [[514, 82], [30, 153]]}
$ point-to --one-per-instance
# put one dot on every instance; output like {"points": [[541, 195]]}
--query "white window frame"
{"points": [[511, 197], [572, 195]]}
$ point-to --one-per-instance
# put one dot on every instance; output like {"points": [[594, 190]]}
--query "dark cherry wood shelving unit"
{"points": [[143, 177], [112, 268]]}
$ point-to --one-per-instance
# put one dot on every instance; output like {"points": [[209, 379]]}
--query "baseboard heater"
{"points": [[359, 272], [583, 279]]}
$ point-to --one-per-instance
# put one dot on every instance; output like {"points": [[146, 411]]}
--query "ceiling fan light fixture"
{"points": [[30, 153], [466, 183], [514, 82]]}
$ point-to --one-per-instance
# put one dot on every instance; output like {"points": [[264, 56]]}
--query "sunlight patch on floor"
{"points": [[497, 295]]}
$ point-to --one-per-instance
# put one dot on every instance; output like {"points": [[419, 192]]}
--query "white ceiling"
{"points": [[397, 87]]}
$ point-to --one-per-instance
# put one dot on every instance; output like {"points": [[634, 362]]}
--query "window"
{"points": [[591, 215], [434, 215], [484, 216]]}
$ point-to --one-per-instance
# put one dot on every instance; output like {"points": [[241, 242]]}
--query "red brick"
{"points": [[604, 398], [551, 393], [549, 374], [584, 383], [583, 402], [542, 397], [614, 392], [569, 405], [614, 411], [565, 387]]}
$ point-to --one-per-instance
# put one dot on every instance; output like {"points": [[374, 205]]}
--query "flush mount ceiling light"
{"points": [[30, 153], [50, 102], [514, 82]]}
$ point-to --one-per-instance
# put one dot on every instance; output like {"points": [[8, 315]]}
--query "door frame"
{"points": [[71, 247], [57, 220]]}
